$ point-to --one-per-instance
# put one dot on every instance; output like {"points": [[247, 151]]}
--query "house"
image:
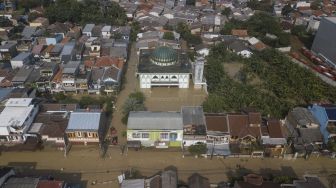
{"points": [[303, 127], [240, 33], [39, 22], [194, 126], [69, 74], [218, 135], [107, 79], [255, 181], [8, 51], [16, 119], [307, 182], [131, 183], [239, 47], [244, 127], [256, 44], [51, 127], [106, 31], [21, 182], [326, 117], [51, 184], [85, 127], [23, 58], [68, 52], [157, 129], [58, 28], [21, 77], [198, 181], [5, 173], [87, 30], [272, 137], [95, 48]]}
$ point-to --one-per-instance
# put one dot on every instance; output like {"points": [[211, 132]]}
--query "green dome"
{"points": [[164, 56]]}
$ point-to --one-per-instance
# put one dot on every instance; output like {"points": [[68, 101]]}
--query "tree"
{"points": [[198, 149], [135, 29], [283, 179], [226, 11], [85, 101], [185, 33], [135, 102], [286, 10], [332, 145], [169, 36], [332, 180], [315, 5]]}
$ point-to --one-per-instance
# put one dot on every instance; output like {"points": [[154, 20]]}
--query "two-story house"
{"points": [[155, 129], [16, 119]]}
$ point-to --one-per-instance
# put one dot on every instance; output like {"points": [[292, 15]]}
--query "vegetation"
{"points": [[283, 84], [226, 11], [135, 102], [85, 12], [259, 25], [332, 180], [168, 36], [286, 10], [4, 22], [283, 179], [198, 149], [332, 145], [135, 29], [185, 33], [263, 5], [306, 37]]}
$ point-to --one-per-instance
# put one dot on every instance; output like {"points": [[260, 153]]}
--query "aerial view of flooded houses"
{"points": [[167, 93]]}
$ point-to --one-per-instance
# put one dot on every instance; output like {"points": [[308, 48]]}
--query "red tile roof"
{"points": [[239, 32], [216, 122], [49, 184], [105, 61], [240, 126]]}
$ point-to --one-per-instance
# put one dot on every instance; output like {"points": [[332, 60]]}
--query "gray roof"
{"points": [[68, 48], [8, 45], [331, 19], [84, 121], [22, 56], [133, 183], [88, 27], [23, 74], [308, 182], [193, 115], [71, 67], [155, 120], [310, 136], [118, 52], [169, 179], [28, 31], [303, 116], [25, 182]]}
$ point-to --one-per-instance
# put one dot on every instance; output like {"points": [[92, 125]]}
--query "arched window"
{"points": [[155, 77], [174, 77]]}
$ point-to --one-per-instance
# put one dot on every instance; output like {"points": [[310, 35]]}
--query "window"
{"points": [[172, 136], [89, 134], [136, 135], [79, 134], [164, 136], [145, 135]]}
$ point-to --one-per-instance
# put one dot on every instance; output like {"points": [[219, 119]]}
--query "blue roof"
{"points": [[84, 121], [331, 113], [4, 93]]}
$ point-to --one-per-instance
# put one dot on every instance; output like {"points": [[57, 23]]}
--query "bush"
{"points": [[198, 149], [169, 36], [283, 179]]}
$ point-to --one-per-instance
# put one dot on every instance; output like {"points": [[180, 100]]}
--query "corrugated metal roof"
{"points": [[84, 121], [25, 182], [155, 120], [133, 183]]}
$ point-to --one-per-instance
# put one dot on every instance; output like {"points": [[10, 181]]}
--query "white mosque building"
{"points": [[165, 66]]}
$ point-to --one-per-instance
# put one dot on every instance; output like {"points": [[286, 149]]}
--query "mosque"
{"points": [[165, 66]]}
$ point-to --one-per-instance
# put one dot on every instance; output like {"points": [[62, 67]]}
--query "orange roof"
{"points": [[58, 76], [48, 49], [239, 32], [65, 40], [105, 61], [260, 46]]}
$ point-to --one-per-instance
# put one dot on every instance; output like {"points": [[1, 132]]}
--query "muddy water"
{"points": [[171, 99]]}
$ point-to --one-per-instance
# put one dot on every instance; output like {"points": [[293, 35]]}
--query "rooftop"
{"points": [[216, 122], [155, 120], [84, 121]]}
